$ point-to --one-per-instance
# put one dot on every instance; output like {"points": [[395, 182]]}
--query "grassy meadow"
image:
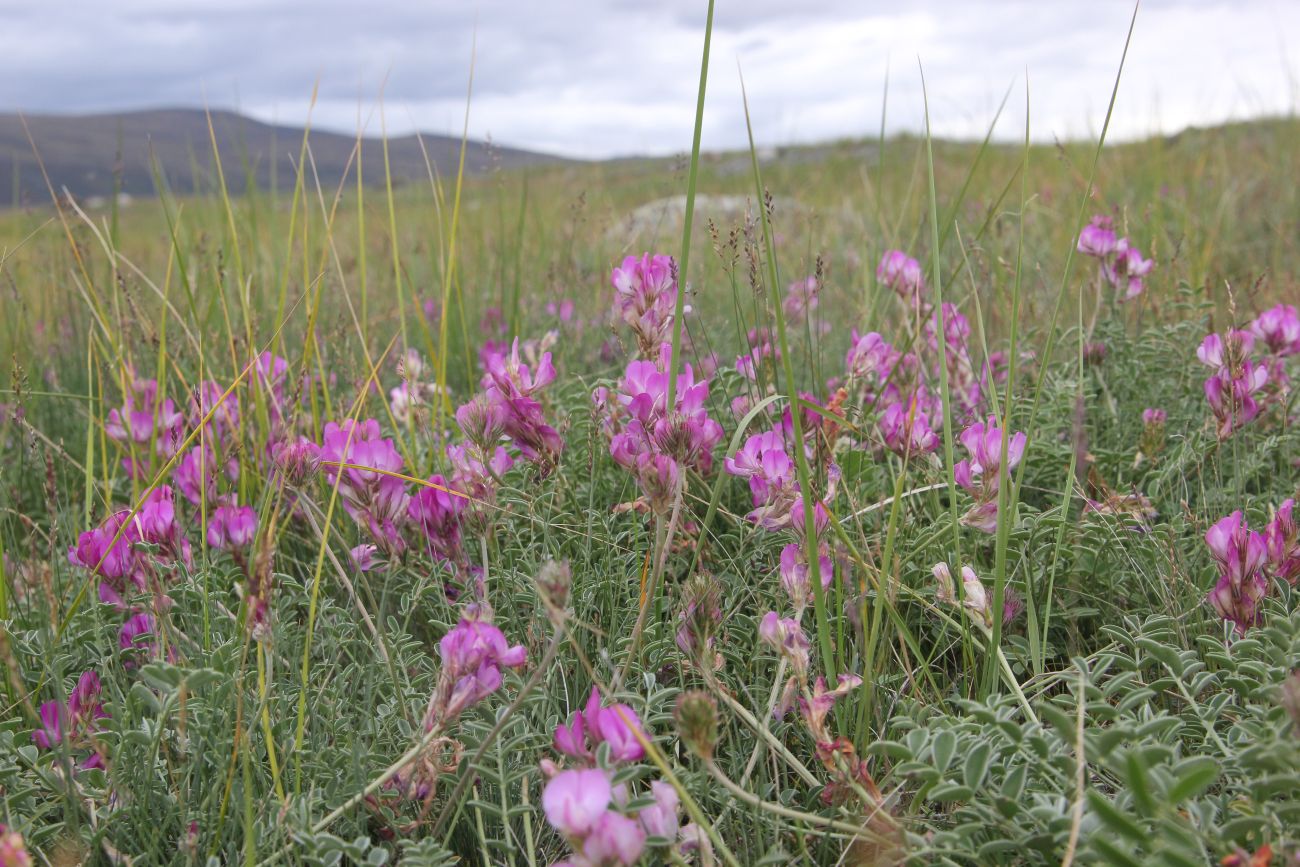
{"points": [[317, 638]]}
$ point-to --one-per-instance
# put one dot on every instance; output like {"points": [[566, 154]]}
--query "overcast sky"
{"points": [[598, 78]]}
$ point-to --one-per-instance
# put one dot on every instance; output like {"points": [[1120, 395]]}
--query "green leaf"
{"points": [[1197, 775], [945, 744]]}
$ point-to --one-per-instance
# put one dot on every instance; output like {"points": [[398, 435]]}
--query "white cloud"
{"points": [[605, 77]]}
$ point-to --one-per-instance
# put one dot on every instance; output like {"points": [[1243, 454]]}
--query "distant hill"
{"points": [[81, 153]]}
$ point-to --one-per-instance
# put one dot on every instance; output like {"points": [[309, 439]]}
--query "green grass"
{"points": [[1112, 723]]}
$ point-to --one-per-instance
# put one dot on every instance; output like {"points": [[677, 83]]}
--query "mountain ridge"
{"points": [[97, 155]]}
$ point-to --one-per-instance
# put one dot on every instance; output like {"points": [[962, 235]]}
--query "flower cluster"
{"points": [[901, 273], [1122, 264], [512, 387], [646, 298], [974, 597], [473, 654], [654, 442], [146, 423], [74, 722], [1247, 559], [1235, 380], [1240, 555], [374, 497], [985, 470], [592, 812], [414, 391]]}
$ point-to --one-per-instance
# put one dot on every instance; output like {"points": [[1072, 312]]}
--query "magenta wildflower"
{"points": [[617, 725], [1154, 416], [139, 632], [198, 471], [1279, 329], [13, 849], [905, 428], [614, 839], [795, 572], [512, 385], [982, 473], [869, 356], [660, 819], [817, 708], [376, 499], [211, 397], [902, 273], [645, 299], [1240, 555], [296, 460], [436, 511], [1127, 270], [575, 800], [364, 558], [75, 721], [787, 637], [473, 654], [145, 418], [1098, 238], [801, 297], [232, 528], [1284, 543]]}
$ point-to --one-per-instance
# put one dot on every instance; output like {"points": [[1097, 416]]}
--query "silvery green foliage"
{"points": [[1188, 754]]}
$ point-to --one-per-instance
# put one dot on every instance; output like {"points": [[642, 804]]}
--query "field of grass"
{"points": [[341, 560]]}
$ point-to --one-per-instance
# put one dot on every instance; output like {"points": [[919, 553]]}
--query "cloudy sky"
{"points": [[595, 78]]}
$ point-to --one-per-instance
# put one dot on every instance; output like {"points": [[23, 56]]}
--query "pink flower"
{"points": [[145, 417], [983, 471], [787, 637], [801, 297], [211, 397], [137, 631], [436, 511], [296, 460], [1152, 416], [905, 428], [74, 722], [973, 595], [816, 709], [1098, 238], [374, 497], [646, 297], [1127, 270], [473, 654], [660, 818], [616, 725], [1279, 328], [1240, 555], [1284, 543], [614, 839], [197, 473], [575, 800], [13, 850], [232, 528], [901, 273], [1232, 397], [869, 356], [795, 572], [512, 386], [363, 558]]}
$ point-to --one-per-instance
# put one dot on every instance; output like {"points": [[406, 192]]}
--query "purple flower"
{"points": [[660, 818], [1232, 397], [1098, 238], [232, 528], [787, 637], [473, 654], [143, 418], [74, 722], [482, 421], [363, 558], [211, 397], [1279, 328], [801, 297], [1240, 555], [197, 473], [376, 499], [1127, 270], [645, 298], [869, 356], [901, 273], [795, 572], [436, 511], [1094, 353], [139, 632], [617, 725], [818, 707], [575, 800], [905, 428], [1152, 416], [1284, 543], [296, 460], [981, 474], [614, 839], [512, 386], [774, 490]]}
